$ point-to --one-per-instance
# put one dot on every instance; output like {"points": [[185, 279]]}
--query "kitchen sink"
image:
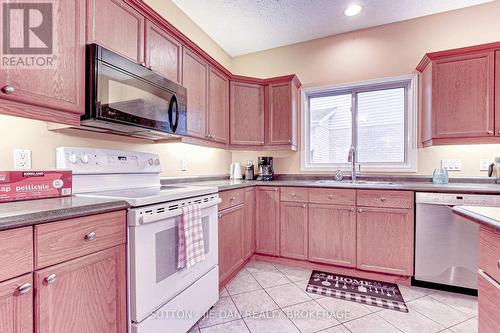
{"points": [[364, 182]]}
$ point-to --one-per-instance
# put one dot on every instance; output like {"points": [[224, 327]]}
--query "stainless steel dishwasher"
{"points": [[446, 245]]}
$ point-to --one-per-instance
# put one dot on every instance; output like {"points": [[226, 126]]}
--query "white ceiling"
{"points": [[245, 26]]}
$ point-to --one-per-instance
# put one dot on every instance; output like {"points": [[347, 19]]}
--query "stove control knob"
{"points": [[84, 158], [157, 161], [151, 161], [72, 158]]}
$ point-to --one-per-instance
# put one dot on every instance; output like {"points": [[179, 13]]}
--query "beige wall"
{"points": [[384, 51]]}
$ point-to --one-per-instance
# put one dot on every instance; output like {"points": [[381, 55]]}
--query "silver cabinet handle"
{"points": [[498, 264], [382, 199], [232, 198], [498, 131], [360, 210], [294, 195], [90, 236], [490, 132], [303, 206], [220, 215], [24, 288], [50, 279], [352, 210], [330, 196], [8, 89]]}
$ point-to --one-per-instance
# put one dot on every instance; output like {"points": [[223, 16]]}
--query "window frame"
{"points": [[410, 82]]}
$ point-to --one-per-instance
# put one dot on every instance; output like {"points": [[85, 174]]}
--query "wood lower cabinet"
{"points": [[497, 93], [55, 91], [16, 305], [332, 234], [230, 240], [247, 114], [218, 106], [115, 25], [489, 303], [163, 53], [293, 230], [385, 240], [195, 79], [267, 222], [87, 294], [249, 224]]}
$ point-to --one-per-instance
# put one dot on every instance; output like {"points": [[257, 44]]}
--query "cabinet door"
{"points": [[332, 234], [163, 53], [16, 305], [463, 102], [116, 26], [248, 224], [218, 106], [87, 294], [195, 79], [58, 84], [230, 241], [267, 220], [385, 240], [281, 114], [489, 303], [247, 114], [293, 233], [497, 93]]}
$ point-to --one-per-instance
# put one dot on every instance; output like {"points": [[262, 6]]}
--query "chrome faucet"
{"points": [[352, 158]]}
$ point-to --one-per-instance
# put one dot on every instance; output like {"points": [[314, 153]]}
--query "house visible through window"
{"points": [[377, 118]]}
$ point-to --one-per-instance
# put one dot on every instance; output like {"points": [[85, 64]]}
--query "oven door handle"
{"points": [[174, 213]]}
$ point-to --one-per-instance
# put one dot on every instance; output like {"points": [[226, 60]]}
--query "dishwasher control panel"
{"points": [[453, 199]]}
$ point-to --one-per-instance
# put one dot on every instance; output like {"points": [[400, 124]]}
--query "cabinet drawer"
{"points": [[16, 252], [296, 194], [391, 199], [60, 241], [231, 198], [332, 196], [489, 252]]}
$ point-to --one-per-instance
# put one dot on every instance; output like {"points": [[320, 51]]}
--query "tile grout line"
{"points": [[450, 327], [451, 306]]}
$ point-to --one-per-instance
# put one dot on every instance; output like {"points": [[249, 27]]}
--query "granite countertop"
{"points": [[488, 216], [226, 184], [25, 213]]}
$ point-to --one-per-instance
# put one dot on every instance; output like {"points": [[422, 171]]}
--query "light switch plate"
{"points": [[22, 159], [452, 164], [184, 165], [484, 164]]}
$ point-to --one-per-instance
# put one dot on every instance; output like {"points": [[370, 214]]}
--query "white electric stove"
{"points": [[160, 295]]}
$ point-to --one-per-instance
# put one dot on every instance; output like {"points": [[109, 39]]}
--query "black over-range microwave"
{"points": [[129, 99]]}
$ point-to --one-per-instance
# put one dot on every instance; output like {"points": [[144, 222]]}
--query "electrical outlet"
{"points": [[484, 164], [22, 159], [184, 165], [452, 164]]}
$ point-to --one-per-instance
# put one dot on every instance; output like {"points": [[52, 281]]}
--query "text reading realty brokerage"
{"points": [[28, 34]]}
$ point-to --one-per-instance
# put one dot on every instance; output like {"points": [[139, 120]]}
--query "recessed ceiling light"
{"points": [[352, 10]]}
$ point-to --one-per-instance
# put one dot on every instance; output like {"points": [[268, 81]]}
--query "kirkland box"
{"points": [[27, 185]]}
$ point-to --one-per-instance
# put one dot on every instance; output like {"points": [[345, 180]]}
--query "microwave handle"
{"points": [[173, 104], [174, 213]]}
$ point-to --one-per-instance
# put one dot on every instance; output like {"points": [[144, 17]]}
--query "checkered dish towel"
{"points": [[191, 246]]}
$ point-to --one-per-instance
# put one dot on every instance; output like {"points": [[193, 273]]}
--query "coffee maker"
{"points": [[266, 171]]}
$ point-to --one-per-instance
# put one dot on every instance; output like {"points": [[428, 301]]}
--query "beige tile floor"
{"points": [[271, 298]]}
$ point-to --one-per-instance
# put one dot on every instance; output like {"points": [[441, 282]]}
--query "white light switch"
{"points": [[484, 164], [184, 165], [452, 164]]}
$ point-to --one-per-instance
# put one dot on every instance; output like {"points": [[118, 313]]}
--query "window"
{"points": [[376, 117]]}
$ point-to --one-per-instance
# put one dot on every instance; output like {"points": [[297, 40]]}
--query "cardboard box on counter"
{"points": [[34, 184]]}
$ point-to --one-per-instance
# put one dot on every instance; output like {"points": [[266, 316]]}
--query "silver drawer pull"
{"points": [[293, 195], [382, 199], [360, 210], [8, 89], [330, 196], [50, 279], [352, 210], [24, 288], [220, 215], [90, 236], [303, 206], [490, 132]]}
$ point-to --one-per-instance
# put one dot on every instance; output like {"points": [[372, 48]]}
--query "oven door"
{"points": [[154, 277]]}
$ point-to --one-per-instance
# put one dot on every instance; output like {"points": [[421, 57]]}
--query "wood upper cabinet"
{"points": [[282, 115], [267, 227], [249, 223], [385, 240], [87, 294], [293, 233], [458, 92], [195, 79], [56, 90], [16, 305], [246, 114], [116, 26], [163, 53], [332, 234], [218, 106], [230, 240]]}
